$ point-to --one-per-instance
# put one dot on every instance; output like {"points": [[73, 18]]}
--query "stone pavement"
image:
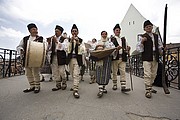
{"points": [[61, 105]]}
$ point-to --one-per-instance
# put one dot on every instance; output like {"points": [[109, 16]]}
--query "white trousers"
{"points": [[75, 72], [150, 72], [33, 76], [119, 64], [58, 71]]}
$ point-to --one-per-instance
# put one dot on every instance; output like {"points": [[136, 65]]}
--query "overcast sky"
{"points": [[90, 16]]}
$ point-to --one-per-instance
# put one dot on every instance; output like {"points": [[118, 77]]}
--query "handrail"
{"points": [[10, 63], [172, 66]]}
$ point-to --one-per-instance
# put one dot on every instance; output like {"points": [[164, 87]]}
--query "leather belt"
{"points": [[120, 55], [74, 56]]}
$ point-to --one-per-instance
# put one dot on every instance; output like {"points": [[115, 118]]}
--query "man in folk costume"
{"points": [[119, 61], [83, 67], [92, 63], [49, 56], [75, 51], [32, 73], [66, 66], [58, 58], [46, 69], [150, 45]]}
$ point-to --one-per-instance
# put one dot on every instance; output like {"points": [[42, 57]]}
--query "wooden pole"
{"points": [[166, 91]]}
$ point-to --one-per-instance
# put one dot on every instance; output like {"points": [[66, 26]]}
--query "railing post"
{"points": [[9, 66], [178, 69], [15, 62], [4, 63], [166, 61]]}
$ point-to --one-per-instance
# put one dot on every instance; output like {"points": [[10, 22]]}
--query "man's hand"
{"points": [[128, 48], [59, 45], [73, 38], [165, 49], [54, 39], [143, 39], [22, 52], [118, 47], [77, 41], [161, 50]]}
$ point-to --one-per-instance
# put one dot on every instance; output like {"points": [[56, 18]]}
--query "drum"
{"points": [[35, 54]]}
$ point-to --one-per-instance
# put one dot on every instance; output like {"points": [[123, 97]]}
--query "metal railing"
{"points": [[172, 66], [10, 63]]}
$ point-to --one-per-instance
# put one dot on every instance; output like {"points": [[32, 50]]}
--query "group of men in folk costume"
{"points": [[63, 51], [70, 52]]}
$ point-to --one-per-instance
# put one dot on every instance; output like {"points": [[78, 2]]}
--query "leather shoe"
{"points": [[104, 91], [125, 89], [29, 90], [148, 94], [42, 80], [153, 91], [76, 94], [64, 86], [56, 89], [100, 94], [114, 87], [37, 90]]}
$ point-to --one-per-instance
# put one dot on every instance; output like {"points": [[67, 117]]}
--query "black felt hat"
{"points": [[31, 25], [74, 27], [147, 22], [116, 26], [59, 28]]}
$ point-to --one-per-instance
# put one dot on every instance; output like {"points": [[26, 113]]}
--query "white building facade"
{"points": [[131, 26]]}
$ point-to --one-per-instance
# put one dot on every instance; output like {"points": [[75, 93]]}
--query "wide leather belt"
{"points": [[120, 55], [74, 56]]}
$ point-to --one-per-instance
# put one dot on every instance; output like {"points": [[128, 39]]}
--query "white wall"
{"points": [[131, 26]]}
